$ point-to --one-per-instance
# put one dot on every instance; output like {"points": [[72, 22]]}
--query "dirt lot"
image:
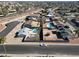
{"points": [[2, 27]]}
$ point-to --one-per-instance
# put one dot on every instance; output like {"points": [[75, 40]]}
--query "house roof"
{"points": [[24, 31]]}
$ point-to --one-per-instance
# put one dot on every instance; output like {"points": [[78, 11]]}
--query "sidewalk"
{"points": [[38, 43]]}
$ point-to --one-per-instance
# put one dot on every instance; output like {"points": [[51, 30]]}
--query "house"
{"points": [[23, 32], [26, 32]]}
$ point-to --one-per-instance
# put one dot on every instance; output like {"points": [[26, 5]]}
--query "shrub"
{"points": [[2, 40]]}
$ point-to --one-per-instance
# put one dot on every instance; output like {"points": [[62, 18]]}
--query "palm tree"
{"points": [[76, 32]]}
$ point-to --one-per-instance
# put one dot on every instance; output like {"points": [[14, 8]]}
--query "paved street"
{"points": [[36, 49], [9, 27]]}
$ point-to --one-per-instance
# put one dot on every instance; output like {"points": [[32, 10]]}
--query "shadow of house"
{"points": [[58, 35], [54, 32], [35, 38], [26, 25], [58, 41]]}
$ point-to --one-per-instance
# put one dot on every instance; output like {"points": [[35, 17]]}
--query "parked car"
{"points": [[75, 22], [66, 26]]}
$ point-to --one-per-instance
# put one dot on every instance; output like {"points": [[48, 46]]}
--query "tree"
{"points": [[0, 12], [17, 8], [24, 6], [5, 10], [76, 32], [1, 9], [2, 40]]}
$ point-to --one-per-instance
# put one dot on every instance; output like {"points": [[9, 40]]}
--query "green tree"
{"points": [[17, 8], [1, 9], [2, 40]]}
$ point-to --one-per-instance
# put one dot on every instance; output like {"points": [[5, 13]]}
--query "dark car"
{"points": [[75, 22], [66, 26]]}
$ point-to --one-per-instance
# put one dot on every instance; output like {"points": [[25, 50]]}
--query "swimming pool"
{"points": [[50, 25], [35, 30]]}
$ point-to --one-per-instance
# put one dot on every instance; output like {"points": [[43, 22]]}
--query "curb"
{"points": [[38, 43]]}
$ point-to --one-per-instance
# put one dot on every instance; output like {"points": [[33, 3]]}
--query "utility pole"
{"points": [[41, 28]]}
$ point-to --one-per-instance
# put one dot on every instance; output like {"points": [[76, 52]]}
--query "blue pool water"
{"points": [[35, 30], [50, 25]]}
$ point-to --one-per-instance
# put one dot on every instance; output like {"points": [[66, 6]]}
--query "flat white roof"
{"points": [[24, 31]]}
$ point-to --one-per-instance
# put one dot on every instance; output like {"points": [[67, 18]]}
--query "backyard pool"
{"points": [[50, 25], [35, 30]]}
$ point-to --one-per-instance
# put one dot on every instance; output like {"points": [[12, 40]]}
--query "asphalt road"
{"points": [[36, 49], [9, 27]]}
